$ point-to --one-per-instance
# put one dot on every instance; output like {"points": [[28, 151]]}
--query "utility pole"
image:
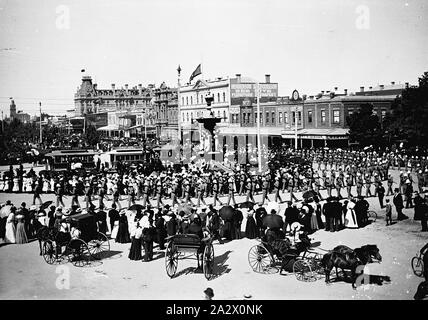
{"points": [[41, 134], [295, 129], [2, 123], [259, 140]]}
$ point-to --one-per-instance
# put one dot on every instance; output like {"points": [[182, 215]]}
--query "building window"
{"points": [[255, 118], [218, 97], [293, 114], [336, 117], [187, 100], [224, 96], [280, 118], [383, 114], [244, 118], [191, 100], [182, 101], [218, 113], [187, 117], [323, 116], [286, 117], [299, 115], [202, 99], [309, 116], [261, 118], [273, 117], [224, 115], [197, 99], [267, 117]]}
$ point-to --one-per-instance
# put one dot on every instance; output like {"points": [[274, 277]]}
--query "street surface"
{"points": [[25, 275]]}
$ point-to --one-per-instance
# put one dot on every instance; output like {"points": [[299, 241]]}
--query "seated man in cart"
{"points": [[195, 228]]}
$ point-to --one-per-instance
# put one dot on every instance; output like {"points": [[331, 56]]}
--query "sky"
{"points": [[305, 45]]}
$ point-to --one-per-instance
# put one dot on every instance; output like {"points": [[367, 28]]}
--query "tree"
{"points": [[409, 116], [364, 126], [92, 136]]}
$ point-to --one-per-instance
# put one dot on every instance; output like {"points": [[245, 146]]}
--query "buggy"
{"points": [[81, 247]]}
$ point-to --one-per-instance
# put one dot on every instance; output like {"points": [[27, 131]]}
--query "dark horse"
{"points": [[422, 291], [43, 233], [343, 257]]}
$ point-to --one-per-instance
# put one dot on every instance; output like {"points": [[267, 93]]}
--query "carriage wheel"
{"points": [[80, 256], [417, 266], [208, 261], [303, 271], [316, 264], [99, 247], [48, 252], [260, 259], [372, 216], [171, 259]]}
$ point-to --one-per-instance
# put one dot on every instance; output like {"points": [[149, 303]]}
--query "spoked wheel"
{"points": [[208, 261], [417, 266], [260, 259], [303, 271], [372, 216], [48, 252], [316, 265], [171, 259], [80, 256], [99, 247]]}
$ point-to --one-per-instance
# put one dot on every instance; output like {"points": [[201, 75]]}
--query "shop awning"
{"points": [[319, 134]]}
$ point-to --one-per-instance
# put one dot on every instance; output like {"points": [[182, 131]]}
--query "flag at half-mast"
{"points": [[196, 72]]}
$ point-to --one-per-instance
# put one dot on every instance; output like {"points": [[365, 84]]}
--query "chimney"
{"points": [[335, 88], [311, 97], [392, 83], [370, 87], [140, 89], [126, 88], [327, 91], [381, 86], [322, 91], [304, 96], [95, 86], [345, 91], [113, 87], [361, 89], [267, 78], [406, 85], [238, 77]]}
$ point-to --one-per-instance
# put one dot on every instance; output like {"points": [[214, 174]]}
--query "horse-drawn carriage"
{"points": [[82, 244], [267, 256], [186, 246]]}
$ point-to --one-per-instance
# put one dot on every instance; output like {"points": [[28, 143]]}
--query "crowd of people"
{"points": [[333, 171]]}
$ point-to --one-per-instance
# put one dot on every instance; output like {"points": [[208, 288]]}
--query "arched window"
{"points": [[187, 100], [182, 101], [224, 96], [187, 117], [191, 100], [224, 115], [218, 97]]}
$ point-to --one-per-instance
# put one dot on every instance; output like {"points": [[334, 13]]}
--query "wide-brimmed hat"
{"points": [[209, 292]]}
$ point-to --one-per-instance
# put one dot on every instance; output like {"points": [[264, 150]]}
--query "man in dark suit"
{"points": [[213, 224], [113, 215], [237, 221], [327, 211], [398, 203], [260, 214], [337, 214], [361, 209]]}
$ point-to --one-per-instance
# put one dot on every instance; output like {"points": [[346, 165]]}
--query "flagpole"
{"points": [[179, 106], [259, 140]]}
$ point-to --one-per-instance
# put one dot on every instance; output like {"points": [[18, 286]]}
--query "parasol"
{"points": [[227, 212], [309, 194], [273, 221], [136, 207], [45, 205], [247, 204], [5, 211]]}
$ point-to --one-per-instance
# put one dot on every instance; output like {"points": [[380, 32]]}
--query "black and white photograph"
{"points": [[226, 150]]}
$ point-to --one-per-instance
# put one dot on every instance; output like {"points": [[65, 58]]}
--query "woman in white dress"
{"points": [[28, 182], [15, 184], [46, 186], [10, 227], [350, 217]]}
